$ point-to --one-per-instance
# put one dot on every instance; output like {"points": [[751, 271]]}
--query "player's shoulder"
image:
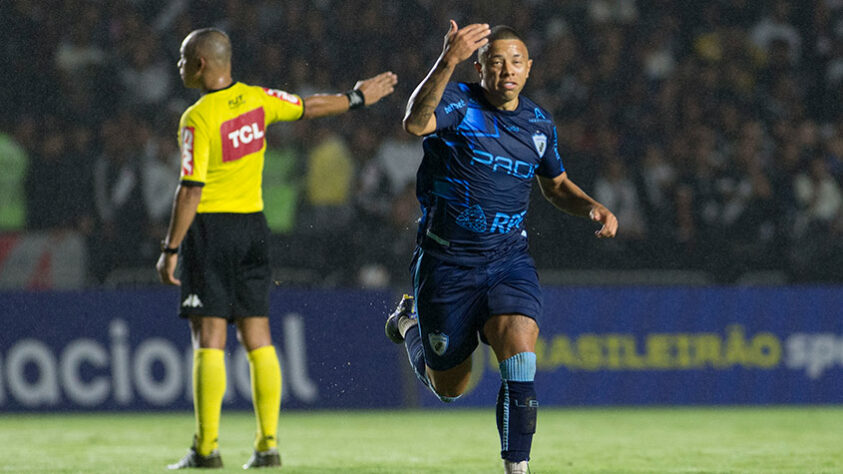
{"points": [[533, 112]]}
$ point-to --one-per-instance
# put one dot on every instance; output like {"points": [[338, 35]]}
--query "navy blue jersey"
{"points": [[478, 168]]}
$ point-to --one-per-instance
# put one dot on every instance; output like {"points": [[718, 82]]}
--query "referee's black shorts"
{"points": [[225, 266]]}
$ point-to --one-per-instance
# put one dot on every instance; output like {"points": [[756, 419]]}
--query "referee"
{"points": [[218, 227]]}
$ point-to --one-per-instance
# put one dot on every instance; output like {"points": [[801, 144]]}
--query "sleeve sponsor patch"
{"points": [[285, 96], [187, 137]]}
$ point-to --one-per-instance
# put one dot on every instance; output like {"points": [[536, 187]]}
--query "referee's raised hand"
{"points": [[378, 87], [461, 43]]}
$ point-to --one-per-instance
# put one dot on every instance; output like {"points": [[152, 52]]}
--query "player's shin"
{"points": [[208, 390], [517, 406], [265, 373]]}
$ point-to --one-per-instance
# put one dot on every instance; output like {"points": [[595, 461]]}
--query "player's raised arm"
{"points": [[460, 44], [365, 92], [567, 196]]}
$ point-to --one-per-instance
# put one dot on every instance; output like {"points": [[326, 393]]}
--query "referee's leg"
{"points": [[265, 371], [208, 335]]}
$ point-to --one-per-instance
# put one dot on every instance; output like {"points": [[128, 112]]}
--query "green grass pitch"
{"points": [[611, 440]]}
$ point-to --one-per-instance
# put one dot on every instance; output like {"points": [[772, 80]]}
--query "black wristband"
{"points": [[355, 99], [167, 249]]}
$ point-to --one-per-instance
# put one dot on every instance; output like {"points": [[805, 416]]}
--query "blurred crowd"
{"points": [[713, 129]]}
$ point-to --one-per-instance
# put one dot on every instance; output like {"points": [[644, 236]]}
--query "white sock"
{"points": [[405, 323], [510, 467]]}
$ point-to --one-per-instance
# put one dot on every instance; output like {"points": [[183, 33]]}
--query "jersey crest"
{"points": [[438, 342], [540, 142]]}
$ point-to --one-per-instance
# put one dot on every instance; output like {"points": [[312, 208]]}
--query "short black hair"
{"points": [[499, 32]]}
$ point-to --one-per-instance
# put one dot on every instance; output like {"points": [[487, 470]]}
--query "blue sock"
{"points": [[517, 406], [415, 352]]}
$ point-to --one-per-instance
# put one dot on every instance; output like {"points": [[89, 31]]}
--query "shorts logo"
{"points": [[187, 151], [282, 95], [540, 141], [242, 135], [438, 342], [192, 301]]}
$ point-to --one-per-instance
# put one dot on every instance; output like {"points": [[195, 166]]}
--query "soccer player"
{"points": [[218, 227], [471, 270]]}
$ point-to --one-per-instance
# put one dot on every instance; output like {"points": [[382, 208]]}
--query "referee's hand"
{"points": [[166, 267], [378, 87]]}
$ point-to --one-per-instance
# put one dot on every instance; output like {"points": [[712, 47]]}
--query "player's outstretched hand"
{"points": [[166, 268], [609, 221], [461, 43], [378, 87]]}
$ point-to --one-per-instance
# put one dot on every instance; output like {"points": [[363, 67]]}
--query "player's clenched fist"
{"points": [[461, 43], [378, 87]]}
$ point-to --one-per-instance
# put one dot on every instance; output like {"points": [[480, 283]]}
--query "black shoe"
{"points": [[194, 459], [404, 309], [268, 458]]}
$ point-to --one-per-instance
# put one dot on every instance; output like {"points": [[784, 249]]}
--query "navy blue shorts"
{"points": [[454, 301]]}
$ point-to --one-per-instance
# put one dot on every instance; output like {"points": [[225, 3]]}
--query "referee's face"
{"points": [[188, 66], [504, 69]]}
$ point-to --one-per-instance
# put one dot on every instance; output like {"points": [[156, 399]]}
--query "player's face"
{"points": [[504, 70]]}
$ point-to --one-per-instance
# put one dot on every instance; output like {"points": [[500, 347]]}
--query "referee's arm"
{"points": [[184, 210]]}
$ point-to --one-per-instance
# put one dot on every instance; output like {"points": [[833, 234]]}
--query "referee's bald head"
{"points": [[209, 43]]}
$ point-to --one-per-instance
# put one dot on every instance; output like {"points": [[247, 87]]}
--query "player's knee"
{"points": [[447, 394], [447, 399]]}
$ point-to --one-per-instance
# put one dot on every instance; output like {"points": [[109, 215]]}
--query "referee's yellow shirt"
{"points": [[223, 138]]}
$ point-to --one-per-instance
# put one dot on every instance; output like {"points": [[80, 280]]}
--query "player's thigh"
{"points": [[450, 303], [510, 334], [515, 303]]}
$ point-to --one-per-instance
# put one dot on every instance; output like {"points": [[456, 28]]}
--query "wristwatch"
{"points": [[168, 250]]}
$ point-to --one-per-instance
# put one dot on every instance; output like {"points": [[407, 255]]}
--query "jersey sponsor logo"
{"points": [[242, 135], [504, 223], [473, 219], [454, 106], [504, 164], [438, 342], [236, 102], [540, 141], [187, 136], [192, 301], [285, 96]]}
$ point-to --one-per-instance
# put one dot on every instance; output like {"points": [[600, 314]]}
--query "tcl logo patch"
{"points": [[243, 135], [282, 95], [187, 151]]}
